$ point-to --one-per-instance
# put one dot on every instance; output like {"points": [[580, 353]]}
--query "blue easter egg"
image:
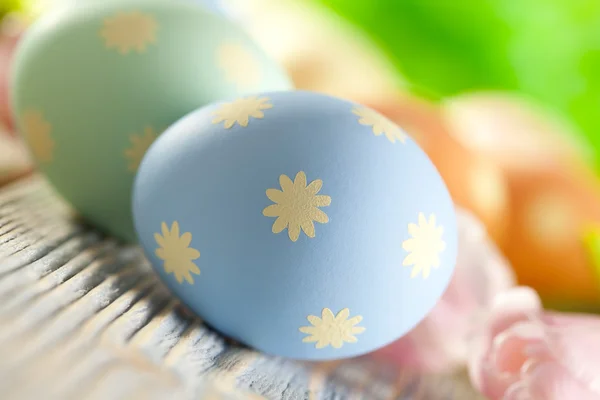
{"points": [[303, 225]]}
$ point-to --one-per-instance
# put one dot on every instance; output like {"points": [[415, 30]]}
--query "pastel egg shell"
{"points": [[260, 287], [88, 100]]}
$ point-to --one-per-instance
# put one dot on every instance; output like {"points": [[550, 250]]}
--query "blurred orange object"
{"points": [[554, 196], [474, 182], [552, 210]]}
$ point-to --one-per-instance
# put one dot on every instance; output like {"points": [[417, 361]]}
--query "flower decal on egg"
{"points": [[37, 132], [424, 246], [129, 31], [239, 65], [239, 111], [139, 146], [332, 330], [380, 124], [297, 206], [176, 253]]}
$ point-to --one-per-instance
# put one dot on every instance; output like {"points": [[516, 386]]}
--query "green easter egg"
{"points": [[94, 85]]}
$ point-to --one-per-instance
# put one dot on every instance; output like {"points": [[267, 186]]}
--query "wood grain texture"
{"points": [[84, 317]]}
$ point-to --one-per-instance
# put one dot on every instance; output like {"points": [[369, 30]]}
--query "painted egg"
{"points": [[300, 224], [94, 86]]}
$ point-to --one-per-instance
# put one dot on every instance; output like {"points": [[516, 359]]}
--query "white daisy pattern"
{"points": [[380, 124], [297, 206], [424, 247], [241, 110], [129, 31], [332, 330], [174, 249]]}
